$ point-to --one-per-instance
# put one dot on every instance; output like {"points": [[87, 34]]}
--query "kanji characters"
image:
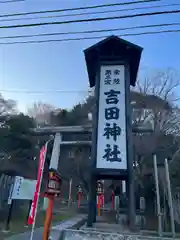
{"points": [[113, 131], [112, 77], [112, 113], [116, 72], [116, 81], [112, 96], [107, 82], [112, 155], [108, 74]]}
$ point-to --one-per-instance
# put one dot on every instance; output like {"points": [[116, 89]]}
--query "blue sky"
{"points": [[61, 66]]}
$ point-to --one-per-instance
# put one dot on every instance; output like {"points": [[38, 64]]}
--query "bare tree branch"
{"points": [[41, 112], [158, 92]]}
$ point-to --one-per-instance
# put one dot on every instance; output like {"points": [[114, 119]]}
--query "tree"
{"points": [[159, 97], [18, 144], [81, 165], [41, 112], [61, 117], [7, 106], [78, 115], [17, 151], [155, 102]]}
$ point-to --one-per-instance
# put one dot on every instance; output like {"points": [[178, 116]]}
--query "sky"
{"points": [[57, 69]]}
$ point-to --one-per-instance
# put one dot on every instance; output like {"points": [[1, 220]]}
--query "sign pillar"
{"points": [[129, 147], [112, 67]]}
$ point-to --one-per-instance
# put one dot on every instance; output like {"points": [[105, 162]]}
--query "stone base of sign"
{"points": [[93, 235], [70, 234]]}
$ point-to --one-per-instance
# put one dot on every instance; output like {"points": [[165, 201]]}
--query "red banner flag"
{"points": [[32, 212]]}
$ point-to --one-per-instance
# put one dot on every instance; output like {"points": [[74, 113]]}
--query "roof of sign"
{"points": [[109, 49]]}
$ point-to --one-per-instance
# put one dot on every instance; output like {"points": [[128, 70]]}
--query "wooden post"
{"points": [[99, 205], [113, 200], [157, 196], [29, 209], [170, 198], [79, 199], [48, 218], [94, 200], [9, 216]]}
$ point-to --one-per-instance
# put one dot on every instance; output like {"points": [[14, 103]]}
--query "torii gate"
{"points": [[84, 129], [59, 131]]}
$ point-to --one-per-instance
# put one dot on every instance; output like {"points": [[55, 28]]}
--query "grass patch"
{"points": [[18, 222]]}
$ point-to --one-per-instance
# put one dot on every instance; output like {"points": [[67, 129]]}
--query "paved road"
{"points": [[26, 235], [55, 232], [37, 235]]}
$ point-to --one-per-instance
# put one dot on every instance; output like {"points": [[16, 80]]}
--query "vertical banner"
{"points": [[111, 139], [38, 185]]}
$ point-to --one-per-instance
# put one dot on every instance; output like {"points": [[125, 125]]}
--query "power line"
{"points": [[44, 91], [91, 19], [91, 31], [78, 8], [90, 38], [12, 1], [90, 13]]}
